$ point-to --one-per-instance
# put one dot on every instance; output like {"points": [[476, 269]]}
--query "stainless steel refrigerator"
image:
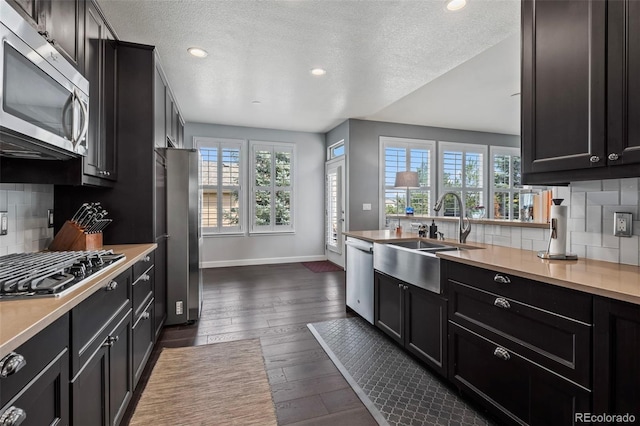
{"points": [[184, 277]]}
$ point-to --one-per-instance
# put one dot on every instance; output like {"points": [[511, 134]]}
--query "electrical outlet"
{"points": [[366, 206], [179, 307], [4, 223], [622, 224]]}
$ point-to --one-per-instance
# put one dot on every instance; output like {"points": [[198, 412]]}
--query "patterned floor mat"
{"points": [[394, 387]]}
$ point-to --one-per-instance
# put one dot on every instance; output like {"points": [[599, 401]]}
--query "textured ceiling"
{"points": [[380, 57]]}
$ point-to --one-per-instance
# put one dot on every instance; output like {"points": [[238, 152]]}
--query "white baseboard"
{"points": [[265, 261]]}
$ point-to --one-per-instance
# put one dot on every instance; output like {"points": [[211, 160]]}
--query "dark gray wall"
{"points": [[363, 161]]}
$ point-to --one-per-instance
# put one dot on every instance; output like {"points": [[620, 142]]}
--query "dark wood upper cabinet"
{"points": [[580, 87], [100, 70], [59, 22], [623, 84]]}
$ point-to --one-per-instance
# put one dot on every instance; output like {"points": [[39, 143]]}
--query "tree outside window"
{"points": [[272, 180]]}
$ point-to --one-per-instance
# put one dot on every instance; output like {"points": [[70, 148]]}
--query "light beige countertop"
{"points": [[614, 280], [20, 320]]}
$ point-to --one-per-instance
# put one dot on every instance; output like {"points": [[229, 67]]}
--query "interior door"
{"points": [[334, 211]]}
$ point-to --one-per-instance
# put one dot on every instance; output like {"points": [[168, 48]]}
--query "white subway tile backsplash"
{"points": [[629, 251], [602, 253], [629, 191], [579, 250], [589, 185], [526, 244], [27, 206], [594, 219], [576, 225], [603, 198], [577, 208], [610, 241], [611, 185], [534, 233], [587, 238]]}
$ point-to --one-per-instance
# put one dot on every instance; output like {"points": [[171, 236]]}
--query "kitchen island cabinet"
{"points": [[415, 318], [616, 358], [520, 347]]}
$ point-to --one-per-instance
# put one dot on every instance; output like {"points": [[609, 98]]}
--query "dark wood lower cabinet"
{"points": [[45, 400], [616, 358], [413, 317], [143, 339], [514, 388], [103, 388]]}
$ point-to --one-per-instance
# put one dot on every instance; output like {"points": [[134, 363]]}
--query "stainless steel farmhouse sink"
{"points": [[412, 261]]}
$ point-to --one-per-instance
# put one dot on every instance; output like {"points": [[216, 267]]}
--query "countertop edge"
{"points": [[596, 291], [70, 301]]}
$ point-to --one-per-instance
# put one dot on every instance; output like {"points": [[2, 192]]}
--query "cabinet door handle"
{"points": [[145, 315], [501, 302], [111, 286], [13, 416], [11, 364], [111, 340], [145, 277], [502, 353], [405, 287], [146, 259], [502, 279], [613, 156], [594, 159], [400, 286]]}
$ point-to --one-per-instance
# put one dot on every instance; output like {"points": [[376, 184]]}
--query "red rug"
{"points": [[322, 266]]}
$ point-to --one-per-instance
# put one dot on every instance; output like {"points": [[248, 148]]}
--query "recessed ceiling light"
{"points": [[197, 52], [454, 5], [256, 102], [318, 71], [515, 94]]}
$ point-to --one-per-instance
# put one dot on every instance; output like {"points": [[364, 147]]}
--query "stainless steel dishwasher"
{"points": [[360, 277]]}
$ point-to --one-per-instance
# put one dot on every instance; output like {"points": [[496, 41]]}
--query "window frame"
{"points": [[220, 144], [464, 148], [502, 150], [272, 228], [408, 144], [332, 148]]}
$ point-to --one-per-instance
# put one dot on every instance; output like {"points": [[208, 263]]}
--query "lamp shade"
{"points": [[407, 180]]}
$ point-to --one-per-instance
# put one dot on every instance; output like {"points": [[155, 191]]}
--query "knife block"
{"points": [[71, 237]]}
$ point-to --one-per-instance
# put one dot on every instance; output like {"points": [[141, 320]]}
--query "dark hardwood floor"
{"points": [[274, 303]]}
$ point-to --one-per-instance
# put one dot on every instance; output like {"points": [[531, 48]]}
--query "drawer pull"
{"points": [[13, 416], [146, 259], [501, 302], [11, 364], [502, 353], [111, 286], [502, 279], [145, 277], [145, 315]]}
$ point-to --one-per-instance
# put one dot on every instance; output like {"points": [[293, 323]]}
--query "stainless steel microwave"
{"points": [[44, 100]]}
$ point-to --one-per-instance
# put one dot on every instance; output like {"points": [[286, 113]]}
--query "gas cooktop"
{"points": [[51, 274]]}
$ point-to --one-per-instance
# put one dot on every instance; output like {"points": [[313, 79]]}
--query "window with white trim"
{"points": [[336, 150], [272, 189], [462, 169], [400, 155], [505, 183], [221, 171]]}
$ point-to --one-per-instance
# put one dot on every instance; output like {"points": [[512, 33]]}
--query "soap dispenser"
{"points": [[433, 229]]}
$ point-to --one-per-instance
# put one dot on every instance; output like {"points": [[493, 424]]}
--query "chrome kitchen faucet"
{"points": [[463, 231]]}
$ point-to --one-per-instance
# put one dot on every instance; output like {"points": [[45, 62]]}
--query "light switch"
{"points": [[622, 224], [366, 206]]}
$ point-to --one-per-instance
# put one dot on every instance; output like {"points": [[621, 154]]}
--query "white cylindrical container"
{"points": [[558, 245]]}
